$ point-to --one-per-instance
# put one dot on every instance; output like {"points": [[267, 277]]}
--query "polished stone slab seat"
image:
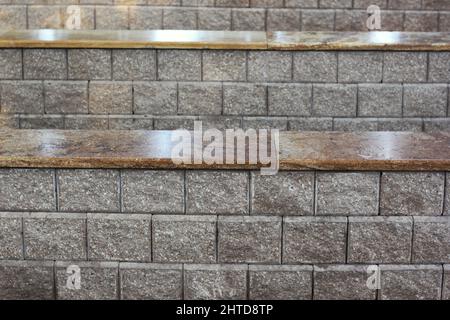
{"points": [[359, 151]]}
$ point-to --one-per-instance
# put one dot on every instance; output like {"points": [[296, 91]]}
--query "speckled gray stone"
{"points": [[335, 4], [214, 19], [217, 192], [343, 282], [312, 66], [436, 124], [364, 4], [447, 195], [337, 100], [283, 20], [342, 193], [180, 19], [110, 97], [412, 193], [174, 122], [379, 239], [280, 282], [405, 67], [249, 239], [66, 97], [88, 190], [244, 99], [439, 68], [89, 64], [22, 97], [411, 282], [44, 16], [248, 19], [317, 20], [302, 3], [111, 17], [220, 122], [27, 189], [37, 121], [98, 281], [131, 122], [153, 191], [400, 124], [232, 3], [290, 99], [431, 240], [380, 100], [351, 20], [429, 100], [13, 17], [222, 65], [10, 64], [355, 124], [446, 286], [257, 123], [142, 281], [9, 121], [314, 239], [269, 66], [215, 282], [286, 193], [86, 122], [421, 21], [134, 64], [405, 4], [11, 246], [145, 18], [182, 65], [46, 64], [55, 236], [311, 124], [155, 98], [119, 237], [360, 66], [200, 98], [189, 239]]}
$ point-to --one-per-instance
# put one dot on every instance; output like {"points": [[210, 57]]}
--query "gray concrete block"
{"points": [[11, 245], [360, 66], [244, 99], [275, 66], [248, 19], [337, 100], [380, 100], [222, 65], [405, 67], [431, 242], [110, 97], [182, 65], [10, 64], [155, 98], [425, 100], [315, 66], [66, 97], [290, 99], [200, 98], [45, 64], [22, 97], [89, 64], [134, 64]]}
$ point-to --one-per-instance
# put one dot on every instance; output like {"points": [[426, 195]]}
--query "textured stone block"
{"points": [[405, 4], [134, 64], [431, 240], [141, 281], [249, 239], [342, 282], [220, 122], [217, 192], [408, 282], [421, 21], [155, 97], [364, 4], [224, 65], [174, 122], [355, 124], [179, 19], [340, 193], [153, 191], [283, 20], [337, 100], [197, 3], [447, 195], [22, 97], [400, 124], [37, 121], [301, 3], [360, 66], [44, 64], [26, 280], [311, 124], [436, 124], [214, 19], [66, 97], [182, 65], [266, 3], [118, 122], [232, 3], [439, 68], [98, 281], [351, 20], [13, 17], [110, 97], [286, 193], [269, 66], [85, 122], [446, 285], [190, 239], [315, 66], [314, 239], [382, 100], [111, 17], [425, 100], [200, 98], [290, 99], [54, 236], [257, 123], [11, 246], [10, 64], [45, 17], [280, 282], [89, 64], [411, 193], [405, 67], [244, 99], [248, 19], [435, 4], [379, 239], [444, 21], [88, 190], [392, 20], [145, 18], [335, 4], [119, 237], [215, 282], [27, 190], [9, 121], [317, 20]]}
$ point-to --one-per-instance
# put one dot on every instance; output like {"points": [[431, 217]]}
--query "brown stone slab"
{"points": [[377, 40], [405, 151], [188, 39]]}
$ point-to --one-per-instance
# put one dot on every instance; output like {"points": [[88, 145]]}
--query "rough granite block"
{"points": [[244, 99], [335, 4], [45, 17], [342, 282], [283, 20], [315, 66], [142, 281], [89, 64], [290, 99], [429, 100], [405, 67], [197, 3], [273, 66], [200, 98], [118, 122], [392, 20], [124, 237], [405, 4], [360, 66], [10, 64], [11, 246], [337, 100], [310, 124], [111, 17], [55, 236], [66, 97], [435, 4], [145, 18], [215, 282], [110, 97], [188, 239], [175, 122], [431, 240], [400, 124], [155, 98], [248, 19], [317, 20], [10, 121], [257, 123], [220, 122], [45, 64], [134, 64], [26, 280], [444, 21], [13, 17], [232, 3], [421, 21], [86, 122], [301, 3], [221, 65], [286, 193], [341, 193], [266, 3], [182, 65], [355, 124], [216, 192], [22, 97], [280, 282], [27, 190], [446, 285], [314, 239], [88, 190], [447, 195], [98, 280], [36, 121], [351, 20], [412, 193], [411, 282], [439, 68], [214, 19], [249, 239], [380, 100], [179, 19], [153, 191], [364, 4], [379, 239]]}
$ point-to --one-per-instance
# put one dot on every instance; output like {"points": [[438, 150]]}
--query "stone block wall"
{"points": [[158, 234], [251, 15], [169, 89]]}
